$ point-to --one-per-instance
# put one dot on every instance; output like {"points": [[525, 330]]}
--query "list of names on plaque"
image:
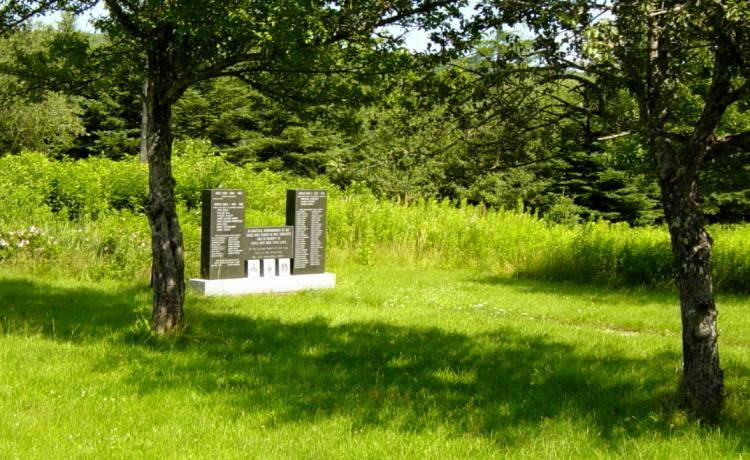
{"points": [[316, 236], [306, 211], [301, 240], [221, 239]]}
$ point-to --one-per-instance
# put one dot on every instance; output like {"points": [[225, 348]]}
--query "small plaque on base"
{"points": [[269, 268], [253, 268], [285, 267]]}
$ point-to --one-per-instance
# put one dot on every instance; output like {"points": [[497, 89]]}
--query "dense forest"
{"points": [[417, 128]]}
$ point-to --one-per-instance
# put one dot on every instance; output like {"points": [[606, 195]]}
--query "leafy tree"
{"points": [[527, 119], [14, 13], [726, 179], [403, 150], [33, 118], [435, 132], [604, 191], [50, 125], [272, 45], [685, 64], [24, 126], [247, 126], [61, 60]]}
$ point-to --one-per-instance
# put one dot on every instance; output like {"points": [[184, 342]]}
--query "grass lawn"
{"points": [[395, 362]]}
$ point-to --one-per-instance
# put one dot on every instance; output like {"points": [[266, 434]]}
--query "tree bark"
{"points": [[145, 125], [168, 281], [702, 385]]}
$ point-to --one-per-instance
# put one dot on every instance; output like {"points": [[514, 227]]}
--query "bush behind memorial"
{"points": [[85, 218]]}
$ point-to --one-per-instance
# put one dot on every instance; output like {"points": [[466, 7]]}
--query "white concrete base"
{"points": [[240, 286]]}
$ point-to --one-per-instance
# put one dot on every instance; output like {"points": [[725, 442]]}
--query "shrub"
{"points": [[50, 125]]}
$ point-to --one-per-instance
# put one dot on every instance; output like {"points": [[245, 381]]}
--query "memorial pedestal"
{"points": [[240, 286]]}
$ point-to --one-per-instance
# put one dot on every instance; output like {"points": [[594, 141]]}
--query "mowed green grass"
{"points": [[396, 362]]}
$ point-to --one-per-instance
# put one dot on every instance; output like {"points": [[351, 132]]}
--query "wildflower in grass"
{"points": [[22, 243], [34, 230], [3, 244]]}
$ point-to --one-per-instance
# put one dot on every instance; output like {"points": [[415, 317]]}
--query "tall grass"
{"points": [[522, 244], [91, 212]]}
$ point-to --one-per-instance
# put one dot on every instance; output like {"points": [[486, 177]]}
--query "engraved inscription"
{"points": [[221, 240], [269, 242], [306, 210]]}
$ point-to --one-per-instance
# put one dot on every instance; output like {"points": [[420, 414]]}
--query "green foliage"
{"points": [[420, 135], [27, 183], [603, 191], [78, 189], [726, 181], [505, 189], [34, 116], [478, 131], [94, 209], [71, 84], [402, 152], [50, 125], [564, 211], [248, 127]]}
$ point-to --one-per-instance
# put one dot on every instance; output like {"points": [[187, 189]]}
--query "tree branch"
{"points": [[614, 136], [424, 8], [10, 18], [123, 18], [347, 33], [729, 144], [719, 97]]}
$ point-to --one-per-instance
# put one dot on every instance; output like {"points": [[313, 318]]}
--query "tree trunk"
{"points": [[702, 385], [168, 268]]}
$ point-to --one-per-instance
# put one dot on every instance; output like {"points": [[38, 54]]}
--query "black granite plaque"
{"points": [[269, 242], [223, 224], [306, 211]]}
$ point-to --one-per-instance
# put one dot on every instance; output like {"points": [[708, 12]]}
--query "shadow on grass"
{"points": [[71, 313], [585, 291], [499, 384]]}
